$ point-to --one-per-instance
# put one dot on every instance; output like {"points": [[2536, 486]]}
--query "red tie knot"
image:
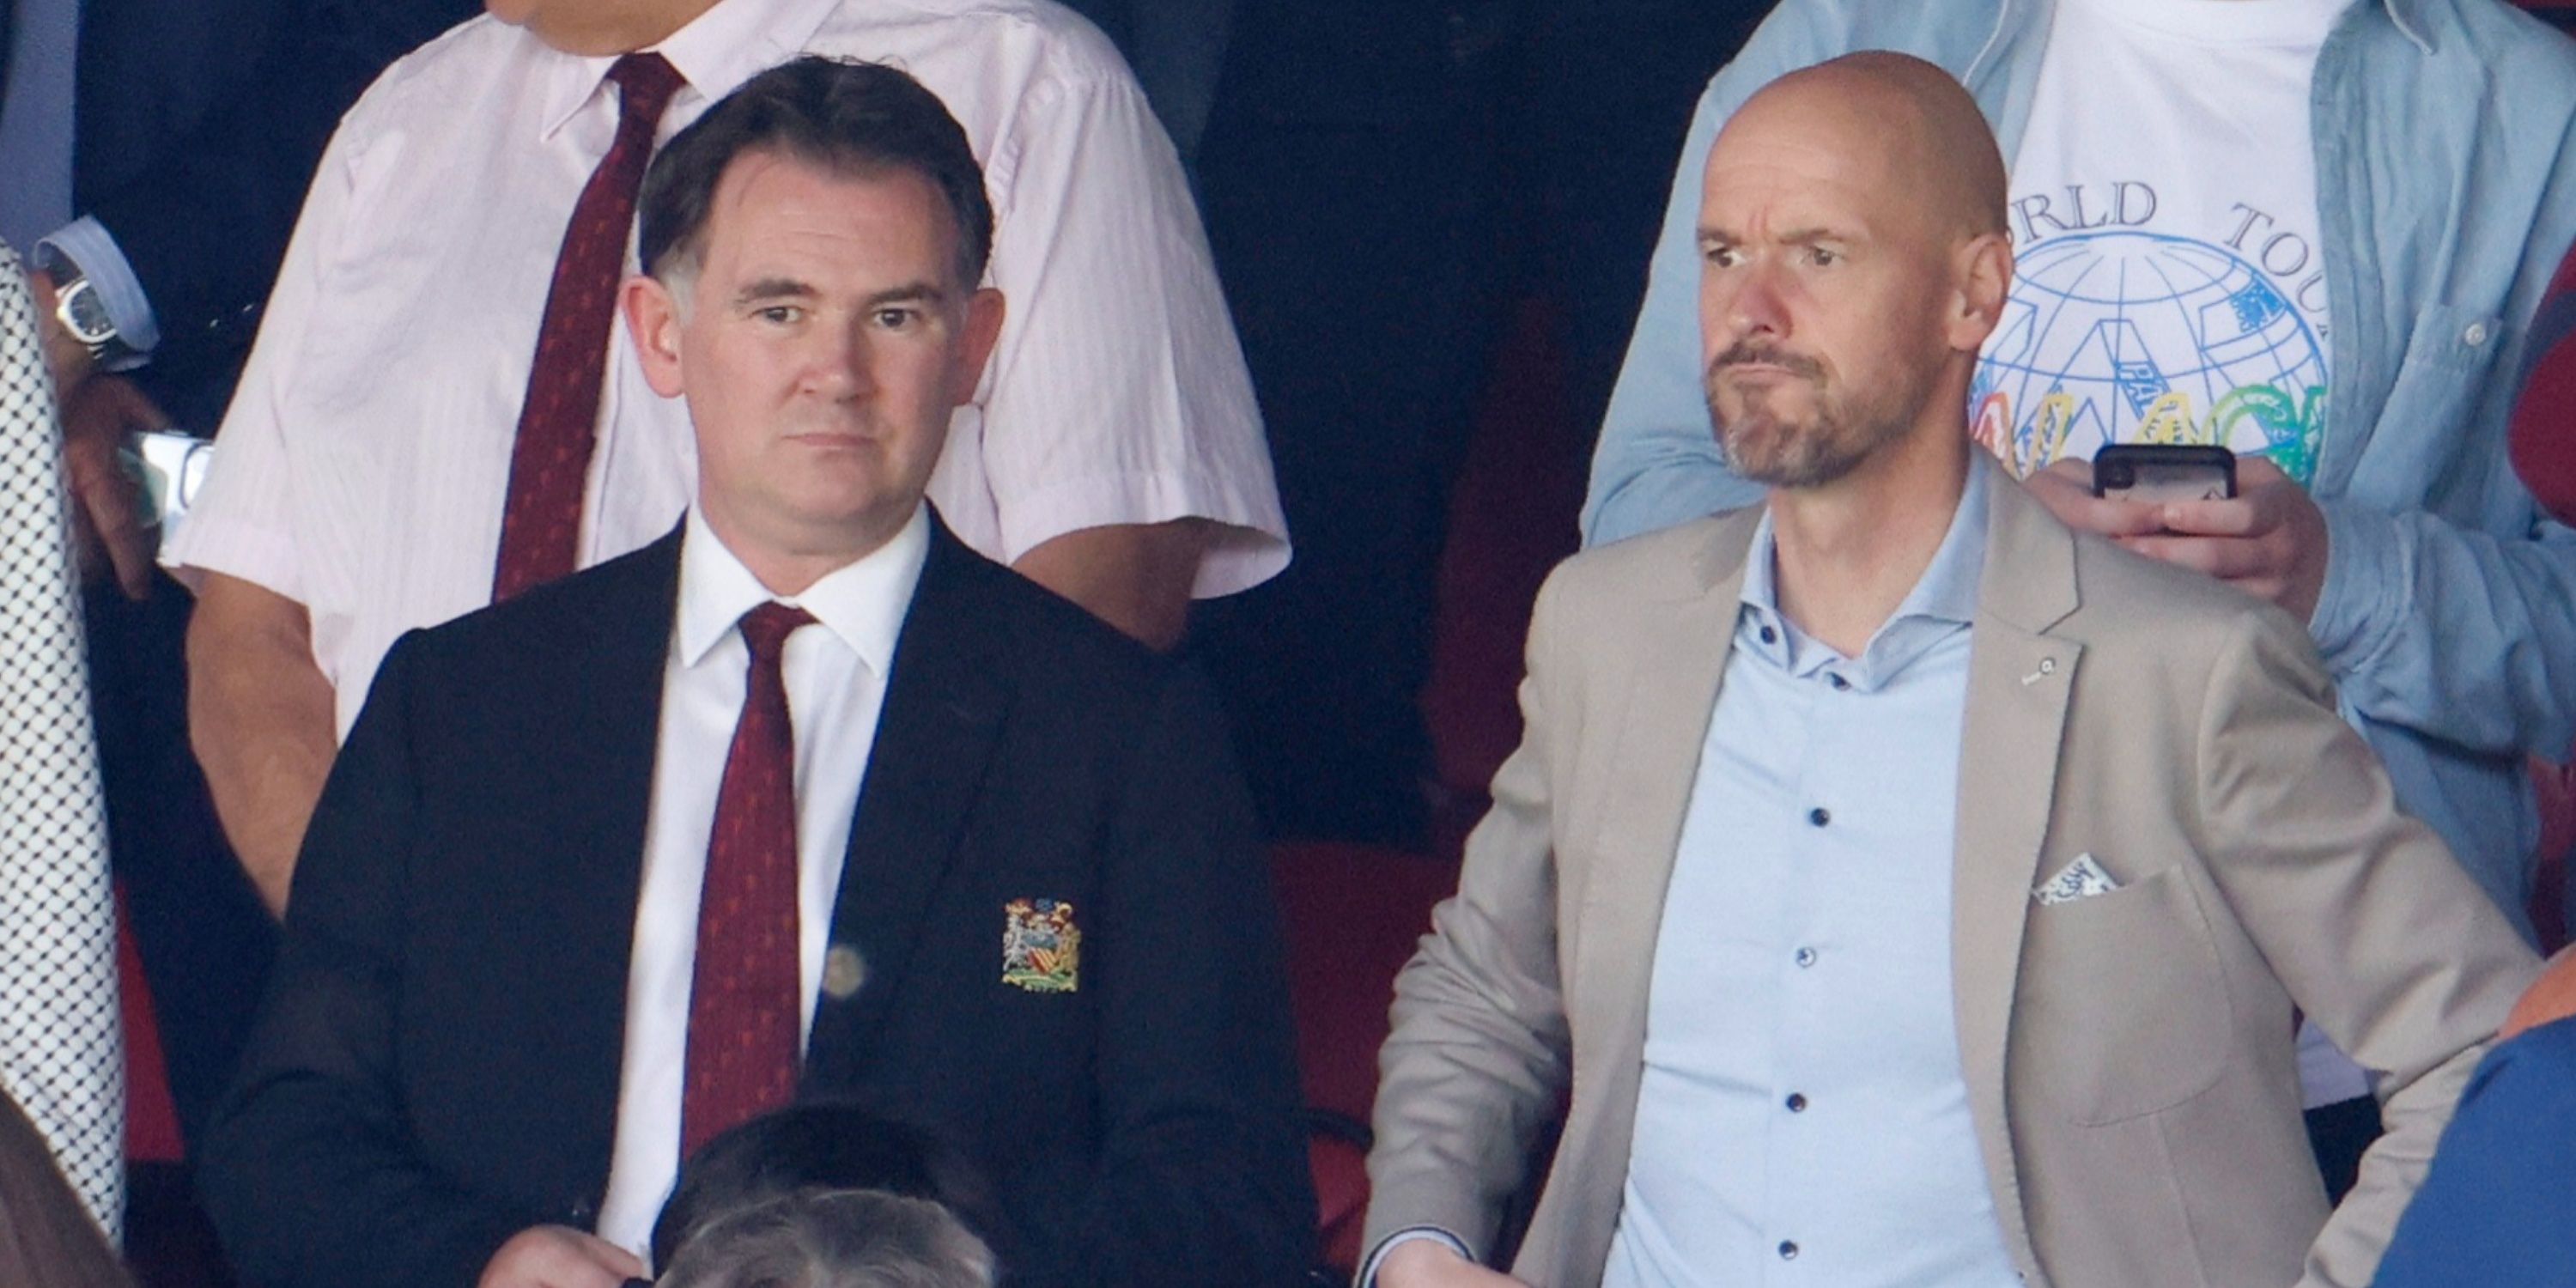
{"points": [[645, 84], [765, 629]]}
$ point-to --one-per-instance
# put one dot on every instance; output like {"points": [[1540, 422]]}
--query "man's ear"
{"points": [[653, 318], [1981, 269], [975, 342]]}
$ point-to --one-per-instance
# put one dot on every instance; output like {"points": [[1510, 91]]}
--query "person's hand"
{"points": [[1429, 1263], [558, 1256], [109, 529], [2269, 540], [66, 357], [2066, 488]]}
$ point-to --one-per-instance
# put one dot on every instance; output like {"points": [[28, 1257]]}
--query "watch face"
{"points": [[84, 314]]}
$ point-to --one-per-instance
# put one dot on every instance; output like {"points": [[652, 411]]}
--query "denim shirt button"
{"points": [[2476, 334]]}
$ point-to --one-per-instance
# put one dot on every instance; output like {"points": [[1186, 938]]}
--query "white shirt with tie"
{"points": [[835, 673], [364, 462]]}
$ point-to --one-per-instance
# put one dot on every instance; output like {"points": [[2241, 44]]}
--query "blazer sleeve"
{"points": [[2494, 1209], [308, 1169], [1476, 1058], [1203, 1174], [2374, 928]]}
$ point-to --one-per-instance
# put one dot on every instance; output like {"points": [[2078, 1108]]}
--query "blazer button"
{"points": [[843, 972]]}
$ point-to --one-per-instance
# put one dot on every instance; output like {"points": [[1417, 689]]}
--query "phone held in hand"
{"points": [[2161, 472], [168, 465]]}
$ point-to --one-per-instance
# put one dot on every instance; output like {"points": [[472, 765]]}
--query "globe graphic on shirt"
{"points": [[2131, 337]]}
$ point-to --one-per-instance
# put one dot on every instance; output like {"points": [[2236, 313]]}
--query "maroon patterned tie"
{"points": [[559, 420], [743, 993]]}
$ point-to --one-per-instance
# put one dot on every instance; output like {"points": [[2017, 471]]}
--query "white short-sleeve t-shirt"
{"points": [[2169, 286]]}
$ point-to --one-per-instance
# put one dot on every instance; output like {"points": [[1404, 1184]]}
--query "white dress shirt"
{"points": [[363, 465], [836, 682], [1802, 1118]]}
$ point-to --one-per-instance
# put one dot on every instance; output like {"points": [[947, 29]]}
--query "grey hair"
{"points": [[834, 1239]]}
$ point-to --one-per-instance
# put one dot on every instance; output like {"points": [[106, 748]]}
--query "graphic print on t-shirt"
{"points": [[2168, 282], [2117, 334]]}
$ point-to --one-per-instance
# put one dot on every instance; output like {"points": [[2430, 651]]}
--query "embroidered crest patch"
{"points": [[1041, 947]]}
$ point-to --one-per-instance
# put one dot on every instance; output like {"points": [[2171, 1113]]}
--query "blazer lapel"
{"points": [[1680, 655], [2019, 679], [614, 705], [944, 705], [1651, 761]]}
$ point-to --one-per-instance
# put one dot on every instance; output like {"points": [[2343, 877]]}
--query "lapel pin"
{"points": [[2047, 667], [1041, 946], [843, 972]]}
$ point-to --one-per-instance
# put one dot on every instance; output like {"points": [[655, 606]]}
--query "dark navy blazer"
{"points": [[437, 1064]]}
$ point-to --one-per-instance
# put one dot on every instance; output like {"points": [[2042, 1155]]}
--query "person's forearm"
{"points": [[260, 720], [1134, 576], [2452, 632]]}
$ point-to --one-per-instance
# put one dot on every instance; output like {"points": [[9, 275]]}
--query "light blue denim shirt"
{"points": [[1802, 1116], [2446, 188]]}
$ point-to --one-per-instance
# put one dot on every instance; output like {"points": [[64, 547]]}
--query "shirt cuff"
{"points": [[1368, 1270], [2358, 604], [86, 242]]}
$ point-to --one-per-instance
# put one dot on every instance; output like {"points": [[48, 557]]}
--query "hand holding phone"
{"points": [[2156, 473]]}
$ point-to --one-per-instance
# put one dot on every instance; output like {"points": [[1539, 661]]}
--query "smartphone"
{"points": [[2160, 472], [168, 465]]}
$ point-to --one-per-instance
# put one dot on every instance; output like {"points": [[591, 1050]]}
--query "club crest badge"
{"points": [[1041, 947]]}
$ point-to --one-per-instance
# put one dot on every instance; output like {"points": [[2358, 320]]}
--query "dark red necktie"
{"points": [[744, 1000], [559, 420]]}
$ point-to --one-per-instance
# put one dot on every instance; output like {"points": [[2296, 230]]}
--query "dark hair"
{"points": [[846, 116], [820, 1145], [835, 1239]]}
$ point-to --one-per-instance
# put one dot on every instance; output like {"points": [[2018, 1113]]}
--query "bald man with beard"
{"points": [[1896, 886]]}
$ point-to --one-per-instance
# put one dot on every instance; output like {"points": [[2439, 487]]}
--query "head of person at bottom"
{"points": [[819, 1145], [1853, 257], [812, 248], [835, 1239]]}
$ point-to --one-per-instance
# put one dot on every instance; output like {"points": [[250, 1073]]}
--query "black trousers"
{"points": [[2339, 1133], [205, 938]]}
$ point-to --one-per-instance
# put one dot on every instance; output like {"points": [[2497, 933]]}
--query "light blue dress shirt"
{"points": [[2445, 147], [1803, 1118]]}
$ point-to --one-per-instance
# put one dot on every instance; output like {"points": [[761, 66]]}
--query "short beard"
{"points": [[1823, 450]]}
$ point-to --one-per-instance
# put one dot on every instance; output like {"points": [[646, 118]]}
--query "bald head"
{"points": [[1905, 123], [1852, 260]]}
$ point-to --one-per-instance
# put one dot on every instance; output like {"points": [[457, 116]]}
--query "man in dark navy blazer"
{"points": [[496, 1015]]}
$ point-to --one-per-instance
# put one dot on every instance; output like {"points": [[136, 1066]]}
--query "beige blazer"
{"points": [[2129, 1056]]}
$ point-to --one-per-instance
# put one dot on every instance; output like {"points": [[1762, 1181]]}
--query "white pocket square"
{"points": [[2082, 879]]}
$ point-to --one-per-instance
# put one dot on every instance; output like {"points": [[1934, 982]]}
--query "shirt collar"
{"points": [[862, 603], [719, 50], [1943, 600], [2410, 19]]}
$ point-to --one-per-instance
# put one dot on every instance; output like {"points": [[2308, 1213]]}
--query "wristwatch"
{"points": [[81, 309]]}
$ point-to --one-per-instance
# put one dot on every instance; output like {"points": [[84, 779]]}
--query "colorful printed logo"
{"points": [[1041, 947], [2135, 337]]}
